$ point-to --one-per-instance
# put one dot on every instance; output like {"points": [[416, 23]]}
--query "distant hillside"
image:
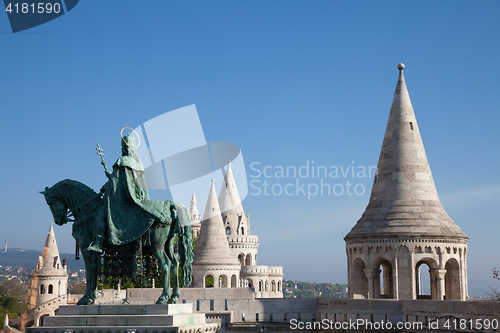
{"points": [[29, 259], [298, 289]]}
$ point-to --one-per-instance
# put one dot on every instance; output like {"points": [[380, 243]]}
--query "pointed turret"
{"points": [[194, 207], [50, 278], [195, 216], [404, 201], [231, 207], [213, 247]]}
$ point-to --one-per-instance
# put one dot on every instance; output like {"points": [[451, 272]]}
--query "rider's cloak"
{"points": [[127, 209]]}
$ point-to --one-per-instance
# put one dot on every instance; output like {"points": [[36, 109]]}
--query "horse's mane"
{"points": [[63, 185], [74, 193]]}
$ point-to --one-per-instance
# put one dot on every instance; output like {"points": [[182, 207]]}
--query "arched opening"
{"points": [[241, 259], [255, 259], [423, 281], [209, 281], [242, 230], [233, 281], [51, 289], [250, 283], [385, 283], [452, 280], [261, 285], [223, 281], [359, 283], [40, 321], [248, 261], [42, 289], [273, 286], [228, 231], [279, 286], [265, 285]]}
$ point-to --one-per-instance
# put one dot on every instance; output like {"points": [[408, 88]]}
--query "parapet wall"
{"points": [[239, 305]]}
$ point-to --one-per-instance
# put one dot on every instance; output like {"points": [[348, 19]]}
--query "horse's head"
{"points": [[57, 206]]}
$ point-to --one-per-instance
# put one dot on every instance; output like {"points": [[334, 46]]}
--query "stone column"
{"points": [[438, 276], [412, 273], [370, 274], [395, 282]]}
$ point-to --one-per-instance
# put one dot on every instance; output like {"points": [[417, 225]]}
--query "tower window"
{"points": [[42, 289], [228, 231], [411, 125], [51, 289]]}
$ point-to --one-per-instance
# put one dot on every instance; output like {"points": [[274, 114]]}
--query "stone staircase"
{"points": [[126, 318]]}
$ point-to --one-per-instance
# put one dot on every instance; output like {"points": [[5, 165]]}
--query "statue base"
{"points": [[125, 318]]}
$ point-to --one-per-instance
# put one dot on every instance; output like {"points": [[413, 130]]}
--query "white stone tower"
{"points": [[404, 225], [212, 255], [50, 279], [236, 224], [195, 216]]}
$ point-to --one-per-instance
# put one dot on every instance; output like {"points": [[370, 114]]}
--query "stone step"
{"points": [[203, 328], [125, 320], [126, 309]]}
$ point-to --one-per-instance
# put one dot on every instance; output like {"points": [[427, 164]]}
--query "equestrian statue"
{"points": [[120, 230]]}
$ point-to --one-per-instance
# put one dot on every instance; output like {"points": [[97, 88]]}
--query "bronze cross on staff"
{"points": [[103, 162]]}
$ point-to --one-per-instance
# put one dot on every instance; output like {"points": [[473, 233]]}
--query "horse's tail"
{"points": [[185, 245]]}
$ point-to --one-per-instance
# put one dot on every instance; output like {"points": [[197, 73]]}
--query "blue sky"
{"points": [[288, 81]]}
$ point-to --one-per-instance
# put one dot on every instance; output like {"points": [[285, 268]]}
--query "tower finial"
{"points": [[401, 66]]}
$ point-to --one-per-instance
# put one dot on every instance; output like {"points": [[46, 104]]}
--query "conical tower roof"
{"points": [[229, 199], [212, 247], [51, 262], [404, 201], [230, 204]]}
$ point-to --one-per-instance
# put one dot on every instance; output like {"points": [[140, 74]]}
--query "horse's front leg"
{"points": [[174, 268], [91, 288], [158, 244]]}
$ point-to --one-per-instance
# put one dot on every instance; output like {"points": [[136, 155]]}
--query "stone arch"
{"points": [[241, 259], [51, 289], [42, 289], [208, 281], [233, 281], [423, 276], [359, 286], [248, 260], [384, 284], [452, 280], [273, 286]]}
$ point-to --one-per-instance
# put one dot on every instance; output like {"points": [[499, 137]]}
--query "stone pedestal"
{"points": [[125, 318]]}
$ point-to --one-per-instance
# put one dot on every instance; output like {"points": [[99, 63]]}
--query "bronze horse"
{"points": [[71, 198]]}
